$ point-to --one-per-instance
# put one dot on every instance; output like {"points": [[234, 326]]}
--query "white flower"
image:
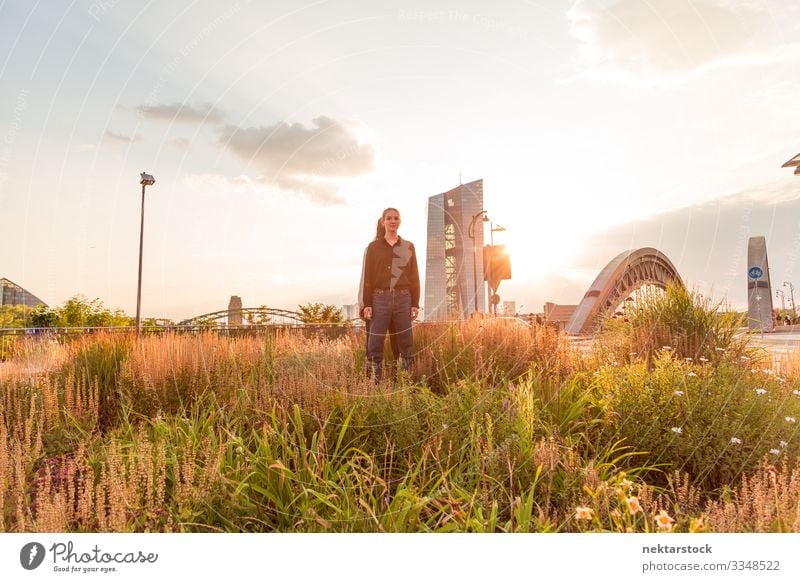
{"points": [[688, 359], [666, 348], [736, 441], [775, 451], [790, 419], [702, 359], [760, 391], [784, 444], [678, 392], [444, 426], [692, 375], [676, 429], [768, 372], [796, 392], [754, 371], [744, 358], [720, 349]]}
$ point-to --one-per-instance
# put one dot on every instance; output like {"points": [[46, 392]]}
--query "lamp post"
{"points": [[146, 180], [793, 163], [492, 229], [780, 293], [791, 296], [471, 232]]}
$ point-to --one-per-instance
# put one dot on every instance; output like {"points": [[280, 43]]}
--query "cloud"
{"points": [[119, 138], [181, 143], [664, 42], [314, 160], [181, 113]]}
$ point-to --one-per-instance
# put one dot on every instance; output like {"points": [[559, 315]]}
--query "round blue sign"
{"points": [[755, 272]]}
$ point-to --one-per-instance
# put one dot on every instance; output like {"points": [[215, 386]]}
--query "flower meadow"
{"points": [[500, 427]]}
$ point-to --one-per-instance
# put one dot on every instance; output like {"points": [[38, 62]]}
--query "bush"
{"points": [[684, 321], [712, 422]]}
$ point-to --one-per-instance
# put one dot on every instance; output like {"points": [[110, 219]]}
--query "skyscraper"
{"points": [[454, 262]]}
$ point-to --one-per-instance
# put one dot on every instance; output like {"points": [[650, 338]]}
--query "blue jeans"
{"points": [[390, 307]]}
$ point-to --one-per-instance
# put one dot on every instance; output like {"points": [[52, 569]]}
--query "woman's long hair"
{"points": [[381, 230]]}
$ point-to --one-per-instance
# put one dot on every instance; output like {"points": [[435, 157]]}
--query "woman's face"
{"points": [[391, 221]]}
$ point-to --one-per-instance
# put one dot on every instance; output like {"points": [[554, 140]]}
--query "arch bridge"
{"points": [[250, 315], [625, 274]]}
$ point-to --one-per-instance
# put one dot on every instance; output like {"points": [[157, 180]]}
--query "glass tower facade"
{"points": [[454, 285]]}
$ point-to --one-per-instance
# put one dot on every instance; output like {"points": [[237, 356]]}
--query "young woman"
{"points": [[379, 233], [391, 292]]}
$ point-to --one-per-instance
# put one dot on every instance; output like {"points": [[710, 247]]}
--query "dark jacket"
{"points": [[391, 267]]}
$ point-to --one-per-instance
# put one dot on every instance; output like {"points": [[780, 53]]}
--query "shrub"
{"points": [[713, 422], [684, 321]]}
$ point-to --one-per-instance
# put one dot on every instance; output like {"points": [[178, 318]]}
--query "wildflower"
{"points": [[754, 371], [760, 391], [626, 484], [586, 513], [633, 505], [678, 392], [676, 429], [697, 525], [688, 359], [444, 426], [784, 444], [744, 358], [664, 521], [667, 348], [692, 375], [796, 392], [790, 419], [768, 372], [736, 441], [720, 349], [703, 359], [775, 451]]}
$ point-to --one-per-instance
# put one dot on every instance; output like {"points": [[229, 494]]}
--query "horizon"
{"points": [[277, 134]]}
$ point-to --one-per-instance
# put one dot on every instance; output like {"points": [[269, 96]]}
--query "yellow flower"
{"points": [[697, 525], [586, 513], [633, 505], [664, 521]]}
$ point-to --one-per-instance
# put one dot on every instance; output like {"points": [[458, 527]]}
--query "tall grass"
{"points": [[498, 428], [690, 325]]}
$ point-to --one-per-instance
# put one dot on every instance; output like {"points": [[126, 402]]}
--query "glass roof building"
{"points": [[13, 294]]}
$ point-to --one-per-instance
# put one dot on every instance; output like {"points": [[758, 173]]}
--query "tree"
{"points": [[320, 313]]}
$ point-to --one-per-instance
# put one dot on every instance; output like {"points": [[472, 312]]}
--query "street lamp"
{"points": [[780, 293], [492, 229], [146, 180], [471, 232], [791, 294]]}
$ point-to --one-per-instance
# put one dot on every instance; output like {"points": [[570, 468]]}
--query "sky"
{"points": [[278, 131]]}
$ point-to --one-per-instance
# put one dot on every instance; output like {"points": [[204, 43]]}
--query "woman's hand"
{"points": [[414, 313], [367, 313]]}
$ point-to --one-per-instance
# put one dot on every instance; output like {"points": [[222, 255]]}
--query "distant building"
{"points": [[350, 311], [453, 272], [509, 308], [13, 294], [558, 315], [235, 310]]}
